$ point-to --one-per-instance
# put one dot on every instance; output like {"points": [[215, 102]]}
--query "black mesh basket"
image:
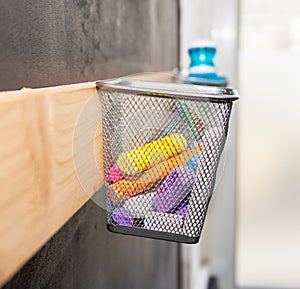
{"points": [[162, 144]]}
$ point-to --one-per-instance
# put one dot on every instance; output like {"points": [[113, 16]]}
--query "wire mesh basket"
{"points": [[162, 144]]}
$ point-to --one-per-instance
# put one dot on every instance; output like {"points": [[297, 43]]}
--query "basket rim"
{"points": [[171, 90]]}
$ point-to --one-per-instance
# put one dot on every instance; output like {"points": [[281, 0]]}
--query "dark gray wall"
{"points": [[45, 43], [84, 255], [55, 42]]}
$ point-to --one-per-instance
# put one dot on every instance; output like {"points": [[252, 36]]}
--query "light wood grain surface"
{"points": [[51, 163], [50, 153]]}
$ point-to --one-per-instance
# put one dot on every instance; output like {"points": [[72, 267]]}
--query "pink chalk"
{"points": [[115, 174]]}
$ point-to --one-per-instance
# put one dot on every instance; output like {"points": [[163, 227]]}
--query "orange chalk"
{"points": [[133, 186]]}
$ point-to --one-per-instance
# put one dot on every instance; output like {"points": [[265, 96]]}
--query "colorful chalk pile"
{"points": [[151, 184]]}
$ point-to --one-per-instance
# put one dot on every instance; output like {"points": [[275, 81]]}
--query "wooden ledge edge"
{"points": [[51, 162]]}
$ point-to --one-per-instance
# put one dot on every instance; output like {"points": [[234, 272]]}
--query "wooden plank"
{"points": [[51, 163], [50, 139]]}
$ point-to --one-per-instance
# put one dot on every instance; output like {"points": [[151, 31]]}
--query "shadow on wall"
{"points": [[83, 254]]}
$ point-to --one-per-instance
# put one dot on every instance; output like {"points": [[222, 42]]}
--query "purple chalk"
{"points": [[182, 212], [181, 209], [122, 217], [174, 189]]}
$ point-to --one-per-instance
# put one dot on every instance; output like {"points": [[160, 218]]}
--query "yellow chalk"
{"points": [[143, 157], [135, 185]]}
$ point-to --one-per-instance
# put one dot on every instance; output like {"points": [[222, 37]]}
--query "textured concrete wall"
{"points": [[83, 255], [45, 43]]}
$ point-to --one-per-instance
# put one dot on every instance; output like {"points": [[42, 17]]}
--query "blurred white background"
{"points": [[251, 237], [268, 219]]}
